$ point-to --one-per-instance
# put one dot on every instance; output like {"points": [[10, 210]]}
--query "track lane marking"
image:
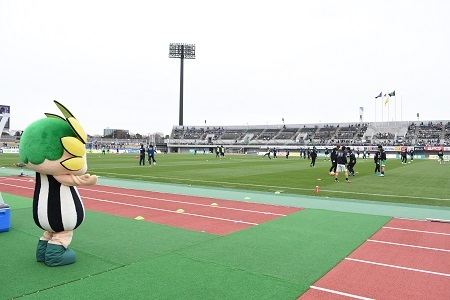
{"points": [[182, 202], [162, 199], [18, 186], [408, 245], [170, 211], [396, 267], [340, 293], [415, 230]]}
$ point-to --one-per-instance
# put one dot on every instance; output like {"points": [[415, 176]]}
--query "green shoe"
{"points": [[57, 255], [40, 251]]}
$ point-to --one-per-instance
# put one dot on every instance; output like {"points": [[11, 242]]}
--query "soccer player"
{"points": [[142, 155], [151, 155], [267, 153], [411, 154], [217, 151], [313, 155], [352, 162], [376, 160], [382, 157], [333, 160], [441, 156], [403, 155], [341, 160]]}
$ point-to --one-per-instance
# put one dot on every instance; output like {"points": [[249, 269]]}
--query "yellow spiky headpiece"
{"points": [[73, 145]]}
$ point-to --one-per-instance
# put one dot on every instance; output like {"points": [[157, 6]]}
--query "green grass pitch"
{"points": [[423, 182]]}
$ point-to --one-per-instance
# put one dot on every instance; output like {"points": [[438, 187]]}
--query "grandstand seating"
{"points": [[385, 133]]}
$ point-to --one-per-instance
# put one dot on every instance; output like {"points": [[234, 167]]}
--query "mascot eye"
{"points": [[73, 145], [73, 164]]}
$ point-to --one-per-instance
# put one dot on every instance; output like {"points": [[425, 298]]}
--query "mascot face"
{"points": [[55, 145]]}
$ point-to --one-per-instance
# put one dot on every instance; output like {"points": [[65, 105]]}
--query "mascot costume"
{"points": [[54, 147]]}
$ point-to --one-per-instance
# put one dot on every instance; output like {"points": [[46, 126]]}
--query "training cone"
{"points": [[214, 204], [247, 198], [277, 192], [139, 218], [180, 211]]}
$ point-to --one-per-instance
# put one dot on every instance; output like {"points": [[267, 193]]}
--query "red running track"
{"points": [[406, 259], [197, 213]]}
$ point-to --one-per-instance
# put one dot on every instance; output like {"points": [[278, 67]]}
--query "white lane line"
{"points": [[397, 267], [340, 293], [182, 202], [18, 186], [408, 245], [409, 219], [170, 211], [414, 230], [161, 199]]}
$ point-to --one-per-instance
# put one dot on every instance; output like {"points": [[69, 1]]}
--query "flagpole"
{"points": [[389, 104], [395, 110], [375, 109]]}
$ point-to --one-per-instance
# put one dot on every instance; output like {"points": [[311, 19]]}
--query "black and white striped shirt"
{"points": [[56, 207]]}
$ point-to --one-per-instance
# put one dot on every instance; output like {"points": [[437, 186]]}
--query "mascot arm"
{"points": [[72, 180]]}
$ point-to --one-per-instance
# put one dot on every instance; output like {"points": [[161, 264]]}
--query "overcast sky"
{"points": [[256, 63]]}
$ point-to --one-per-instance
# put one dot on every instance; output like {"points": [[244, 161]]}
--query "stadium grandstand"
{"points": [[250, 139], [423, 137]]}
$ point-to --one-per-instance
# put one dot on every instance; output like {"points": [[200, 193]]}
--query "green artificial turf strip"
{"points": [[17, 201], [423, 182], [128, 240], [299, 248], [174, 277], [20, 274], [103, 242]]}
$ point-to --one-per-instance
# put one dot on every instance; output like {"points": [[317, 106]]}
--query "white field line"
{"points": [[170, 211], [182, 202], [397, 267], [408, 245], [340, 293], [276, 187], [414, 230]]}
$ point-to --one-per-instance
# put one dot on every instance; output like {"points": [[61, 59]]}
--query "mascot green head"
{"points": [[54, 145]]}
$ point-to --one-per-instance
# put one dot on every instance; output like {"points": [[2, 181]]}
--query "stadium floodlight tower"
{"points": [[177, 50]]}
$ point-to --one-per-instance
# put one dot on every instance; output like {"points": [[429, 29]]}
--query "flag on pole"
{"points": [[392, 94], [386, 101], [379, 95]]}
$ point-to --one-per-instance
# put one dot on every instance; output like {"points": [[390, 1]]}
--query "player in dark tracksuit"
{"points": [[341, 159], [351, 162], [376, 160], [313, 155], [333, 156], [142, 155], [403, 155]]}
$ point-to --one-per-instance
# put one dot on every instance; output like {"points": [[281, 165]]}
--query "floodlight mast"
{"points": [[182, 51]]}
